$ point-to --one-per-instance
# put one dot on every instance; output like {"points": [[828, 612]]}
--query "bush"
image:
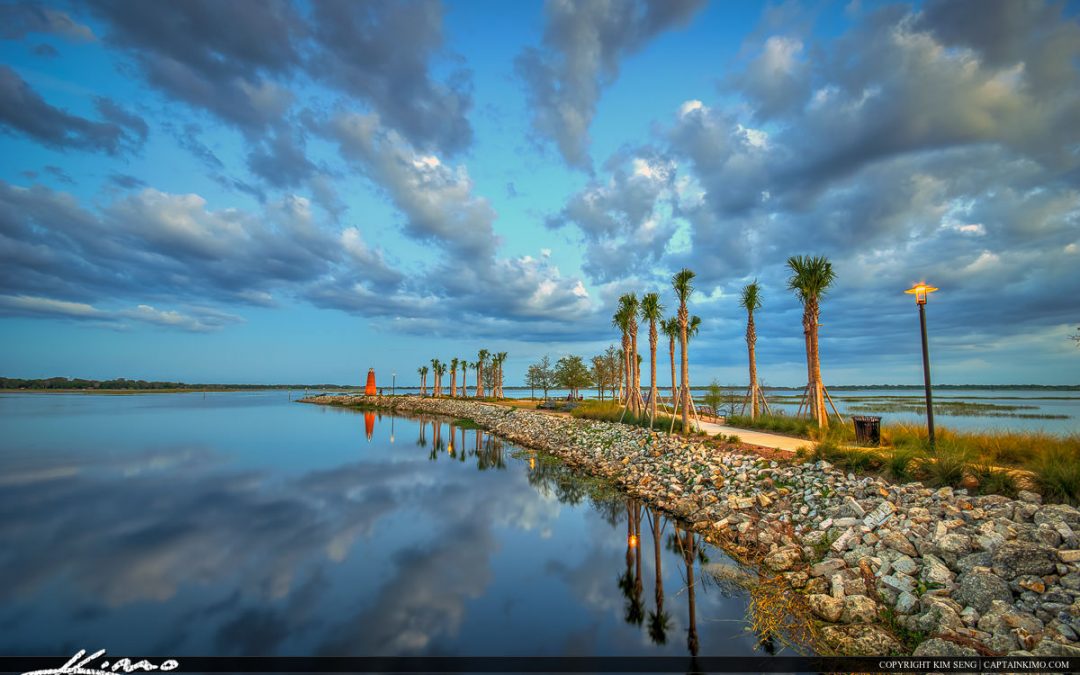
{"points": [[902, 462], [994, 481], [1057, 475], [947, 464]]}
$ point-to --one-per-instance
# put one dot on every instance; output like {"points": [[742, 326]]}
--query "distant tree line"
{"points": [[65, 383]]}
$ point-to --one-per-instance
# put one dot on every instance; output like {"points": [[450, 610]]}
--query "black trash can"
{"points": [[867, 430]]}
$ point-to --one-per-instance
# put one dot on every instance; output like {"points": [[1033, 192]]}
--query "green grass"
{"points": [[949, 463], [608, 411], [902, 463], [466, 423]]}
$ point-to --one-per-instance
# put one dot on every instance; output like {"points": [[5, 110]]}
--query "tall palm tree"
{"points": [[750, 301], [501, 356], [670, 327], [481, 360], [436, 370], [682, 284], [423, 380], [465, 365], [629, 304], [453, 377], [810, 279], [621, 320], [652, 311]]}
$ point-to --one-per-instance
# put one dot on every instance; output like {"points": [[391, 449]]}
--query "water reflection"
{"points": [[213, 550]]}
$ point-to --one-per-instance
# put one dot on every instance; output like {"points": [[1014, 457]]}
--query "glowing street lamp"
{"points": [[920, 291]]}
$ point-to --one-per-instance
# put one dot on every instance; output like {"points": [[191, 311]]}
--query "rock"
{"points": [[1069, 556], [1057, 513], [898, 542], [825, 606], [978, 559], [1014, 558], [906, 603], [853, 508], [1030, 582], [900, 582], [861, 640], [980, 589], [939, 647], [1003, 617], [783, 558], [1029, 497], [859, 609], [956, 545], [934, 571], [905, 565], [726, 572], [827, 567], [938, 619]]}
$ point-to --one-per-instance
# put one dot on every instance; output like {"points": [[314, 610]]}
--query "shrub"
{"points": [[946, 466], [1057, 475], [902, 462], [609, 411], [994, 481]]}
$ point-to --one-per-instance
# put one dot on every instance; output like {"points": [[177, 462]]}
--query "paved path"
{"points": [[762, 438]]}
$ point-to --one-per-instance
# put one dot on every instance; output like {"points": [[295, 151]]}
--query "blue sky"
{"points": [[293, 192]]}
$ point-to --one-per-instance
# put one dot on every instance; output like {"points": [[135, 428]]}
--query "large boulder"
{"points": [[980, 589], [783, 558], [939, 647], [1015, 558], [859, 609], [898, 542], [861, 640], [825, 606]]}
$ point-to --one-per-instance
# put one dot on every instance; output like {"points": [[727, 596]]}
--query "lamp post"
{"points": [[393, 384], [920, 291]]}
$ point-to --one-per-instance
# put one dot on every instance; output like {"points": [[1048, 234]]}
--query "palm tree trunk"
{"points": [[453, 383], [684, 319], [674, 391], [653, 337], [635, 372], [479, 379], [656, 564], [751, 342], [819, 394], [811, 388]]}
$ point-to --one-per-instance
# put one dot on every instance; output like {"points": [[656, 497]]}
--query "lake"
{"points": [[249, 524]]}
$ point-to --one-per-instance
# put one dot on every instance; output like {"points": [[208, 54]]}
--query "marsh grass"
{"points": [[467, 423]]}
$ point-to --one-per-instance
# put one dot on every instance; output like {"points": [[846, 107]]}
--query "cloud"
{"points": [[17, 19], [583, 44], [24, 111], [381, 53], [200, 320], [222, 60]]}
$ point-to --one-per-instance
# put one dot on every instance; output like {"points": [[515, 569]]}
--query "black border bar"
{"points": [[557, 664]]}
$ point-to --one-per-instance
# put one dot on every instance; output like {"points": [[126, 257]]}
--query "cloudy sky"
{"points": [[272, 192]]}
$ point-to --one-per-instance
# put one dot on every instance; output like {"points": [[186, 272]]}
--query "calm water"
{"points": [[243, 523]]}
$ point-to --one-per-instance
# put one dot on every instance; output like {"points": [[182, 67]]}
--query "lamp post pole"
{"points": [[393, 384], [920, 291], [926, 375]]}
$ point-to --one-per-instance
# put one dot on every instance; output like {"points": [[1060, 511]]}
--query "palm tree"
{"points": [[810, 279], [500, 360], [453, 377], [621, 320], [423, 380], [465, 365], [481, 359], [652, 311], [670, 328], [630, 305], [751, 300], [681, 283], [436, 370]]}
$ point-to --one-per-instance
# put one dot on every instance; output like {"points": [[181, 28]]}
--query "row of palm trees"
{"points": [[680, 327], [486, 363], [810, 279]]}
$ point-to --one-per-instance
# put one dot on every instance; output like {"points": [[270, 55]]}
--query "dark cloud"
{"points": [[213, 55], [583, 44], [381, 53], [280, 159], [59, 174], [24, 111], [46, 51], [17, 19], [126, 181]]}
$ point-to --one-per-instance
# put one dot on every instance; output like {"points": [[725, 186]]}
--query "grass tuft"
{"points": [[1057, 474], [609, 411]]}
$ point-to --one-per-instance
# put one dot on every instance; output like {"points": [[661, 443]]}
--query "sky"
{"points": [[275, 192]]}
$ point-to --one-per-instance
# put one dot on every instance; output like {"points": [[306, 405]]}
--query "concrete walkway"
{"points": [[762, 438]]}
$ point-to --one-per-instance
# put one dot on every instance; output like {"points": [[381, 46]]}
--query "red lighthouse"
{"points": [[369, 389]]}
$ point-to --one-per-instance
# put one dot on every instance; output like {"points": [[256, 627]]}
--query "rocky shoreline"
{"points": [[958, 575]]}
